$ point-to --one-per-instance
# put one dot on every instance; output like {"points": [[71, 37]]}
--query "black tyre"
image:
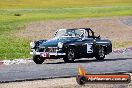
{"points": [[70, 56], [100, 55], [37, 60], [81, 80]]}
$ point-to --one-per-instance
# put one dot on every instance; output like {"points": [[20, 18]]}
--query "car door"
{"points": [[88, 42], [88, 45], [85, 45]]}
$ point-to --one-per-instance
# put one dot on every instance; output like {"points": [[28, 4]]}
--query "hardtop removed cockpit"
{"points": [[75, 32]]}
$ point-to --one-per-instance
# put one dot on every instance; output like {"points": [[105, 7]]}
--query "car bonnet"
{"points": [[54, 42]]}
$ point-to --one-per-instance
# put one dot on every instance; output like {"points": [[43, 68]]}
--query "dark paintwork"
{"points": [[78, 44]]}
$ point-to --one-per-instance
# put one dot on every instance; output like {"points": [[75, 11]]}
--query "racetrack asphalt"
{"points": [[116, 62]]}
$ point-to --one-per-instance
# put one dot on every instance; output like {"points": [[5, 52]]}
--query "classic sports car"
{"points": [[71, 44]]}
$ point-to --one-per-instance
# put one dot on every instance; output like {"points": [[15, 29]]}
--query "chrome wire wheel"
{"points": [[70, 56], [101, 52], [100, 55]]}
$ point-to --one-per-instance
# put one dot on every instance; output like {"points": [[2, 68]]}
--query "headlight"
{"points": [[60, 44], [32, 44]]}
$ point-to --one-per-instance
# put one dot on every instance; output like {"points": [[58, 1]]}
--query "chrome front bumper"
{"points": [[54, 54]]}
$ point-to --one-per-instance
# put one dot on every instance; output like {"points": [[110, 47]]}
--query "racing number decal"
{"points": [[89, 48]]}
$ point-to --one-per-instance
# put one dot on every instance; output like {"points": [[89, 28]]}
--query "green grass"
{"points": [[8, 21], [15, 47], [12, 47]]}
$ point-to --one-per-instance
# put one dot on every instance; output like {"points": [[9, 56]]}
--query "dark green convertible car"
{"points": [[71, 44]]}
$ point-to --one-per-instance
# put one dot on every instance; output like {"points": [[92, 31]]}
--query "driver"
{"points": [[70, 32]]}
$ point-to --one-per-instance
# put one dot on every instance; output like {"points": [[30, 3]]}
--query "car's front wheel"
{"points": [[37, 60], [70, 56], [100, 55]]}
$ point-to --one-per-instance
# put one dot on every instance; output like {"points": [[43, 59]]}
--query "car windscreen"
{"points": [[69, 33]]}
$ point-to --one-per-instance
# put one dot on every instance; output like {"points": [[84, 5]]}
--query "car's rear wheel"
{"points": [[37, 60], [70, 56], [100, 55]]}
